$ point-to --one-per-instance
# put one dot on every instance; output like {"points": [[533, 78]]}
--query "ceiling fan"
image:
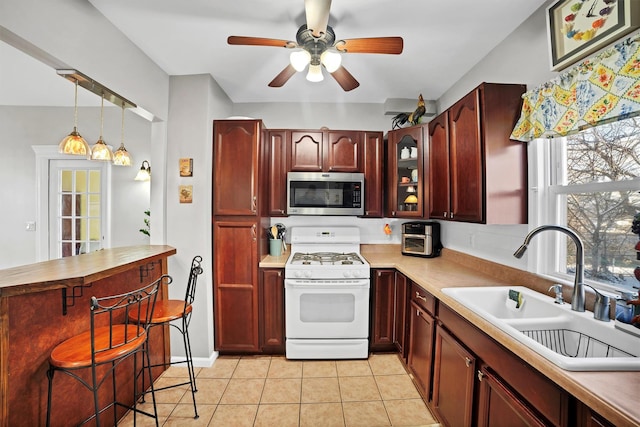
{"points": [[317, 47]]}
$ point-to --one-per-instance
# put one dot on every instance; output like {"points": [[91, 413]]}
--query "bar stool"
{"points": [[167, 311], [112, 339]]}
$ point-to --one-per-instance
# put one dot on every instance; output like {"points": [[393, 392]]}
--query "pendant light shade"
{"points": [[315, 73], [121, 156], [74, 143], [144, 174], [100, 150]]}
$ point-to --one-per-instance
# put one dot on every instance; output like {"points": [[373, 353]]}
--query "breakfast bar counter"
{"points": [[43, 304]]}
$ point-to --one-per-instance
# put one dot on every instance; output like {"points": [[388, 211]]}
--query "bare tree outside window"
{"points": [[597, 159]]}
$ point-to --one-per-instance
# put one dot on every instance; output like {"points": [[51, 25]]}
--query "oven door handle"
{"points": [[326, 287]]}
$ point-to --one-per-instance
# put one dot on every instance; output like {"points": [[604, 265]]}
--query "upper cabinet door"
{"points": [[465, 148], [343, 151], [235, 166], [279, 141], [439, 188], [372, 165], [405, 197], [306, 151]]}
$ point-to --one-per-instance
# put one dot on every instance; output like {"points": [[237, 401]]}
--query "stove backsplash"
{"points": [[371, 229]]}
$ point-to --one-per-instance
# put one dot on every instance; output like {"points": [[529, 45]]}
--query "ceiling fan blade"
{"points": [[345, 79], [317, 12], [283, 77], [259, 41], [391, 45]]}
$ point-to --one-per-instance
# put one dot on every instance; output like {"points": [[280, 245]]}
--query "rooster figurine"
{"points": [[413, 118]]}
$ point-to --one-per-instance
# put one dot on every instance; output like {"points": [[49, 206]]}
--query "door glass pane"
{"points": [[407, 156], [81, 181], [66, 181], [94, 205], [94, 181]]}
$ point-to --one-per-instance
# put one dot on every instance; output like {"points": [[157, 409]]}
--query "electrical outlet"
{"points": [[31, 226]]}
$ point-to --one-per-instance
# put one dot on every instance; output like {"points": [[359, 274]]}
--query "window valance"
{"points": [[601, 89]]}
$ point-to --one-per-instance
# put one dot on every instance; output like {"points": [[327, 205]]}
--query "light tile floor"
{"points": [[273, 391]]}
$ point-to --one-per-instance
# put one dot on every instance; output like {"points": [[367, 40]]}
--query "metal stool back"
{"points": [[113, 337], [170, 310]]}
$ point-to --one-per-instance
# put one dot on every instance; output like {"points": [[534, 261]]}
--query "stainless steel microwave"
{"points": [[325, 193]]}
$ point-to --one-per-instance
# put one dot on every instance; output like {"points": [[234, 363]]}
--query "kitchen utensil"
{"points": [[274, 232]]}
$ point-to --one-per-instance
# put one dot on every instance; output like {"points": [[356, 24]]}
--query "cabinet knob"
{"points": [[480, 376], [254, 203], [467, 361], [421, 297], [451, 215], [444, 214]]}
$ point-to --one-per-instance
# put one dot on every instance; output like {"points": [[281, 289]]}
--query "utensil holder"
{"points": [[275, 247]]}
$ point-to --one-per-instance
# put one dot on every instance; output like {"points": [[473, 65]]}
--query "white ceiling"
{"points": [[443, 40]]}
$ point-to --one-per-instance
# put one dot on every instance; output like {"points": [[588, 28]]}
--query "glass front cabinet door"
{"points": [[405, 185]]}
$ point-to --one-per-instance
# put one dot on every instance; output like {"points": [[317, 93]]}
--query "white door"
{"points": [[77, 206]]}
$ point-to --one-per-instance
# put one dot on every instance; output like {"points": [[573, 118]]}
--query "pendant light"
{"points": [[121, 156], [144, 174], [100, 150], [74, 143]]}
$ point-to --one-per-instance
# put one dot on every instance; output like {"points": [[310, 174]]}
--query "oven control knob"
{"points": [[298, 274], [346, 274], [357, 274], [307, 274]]}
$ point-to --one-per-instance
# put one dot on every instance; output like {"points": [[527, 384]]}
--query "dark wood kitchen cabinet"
{"points": [[382, 308], [236, 160], [476, 172], [373, 169], [388, 308], [513, 386], [498, 405], [586, 417], [453, 380], [326, 151], [279, 144], [421, 338], [235, 278], [272, 311], [240, 155], [405, 176]]}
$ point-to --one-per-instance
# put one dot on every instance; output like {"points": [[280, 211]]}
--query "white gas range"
{"points": [[326, 295]]}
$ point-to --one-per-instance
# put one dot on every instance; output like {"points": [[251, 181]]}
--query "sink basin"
{"points": [[571, 340]]}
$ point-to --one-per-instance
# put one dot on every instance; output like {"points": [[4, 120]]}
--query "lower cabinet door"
{"points": [[500, 407], [272, 310], [453, 381], [421, 331]]}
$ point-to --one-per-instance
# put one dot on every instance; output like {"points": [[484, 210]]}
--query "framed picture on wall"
{"points": [[578, 28]]}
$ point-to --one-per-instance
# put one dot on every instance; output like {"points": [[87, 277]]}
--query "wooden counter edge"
{"points": [[84, 269]]}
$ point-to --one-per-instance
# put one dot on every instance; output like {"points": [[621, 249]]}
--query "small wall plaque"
{"points": [[186, 193], [186, 167]]}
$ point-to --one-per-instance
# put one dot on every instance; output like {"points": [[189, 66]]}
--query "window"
{"points": [[595, 191]]}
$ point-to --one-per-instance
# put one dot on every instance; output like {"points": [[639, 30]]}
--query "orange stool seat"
{"points": [[76, 351]]}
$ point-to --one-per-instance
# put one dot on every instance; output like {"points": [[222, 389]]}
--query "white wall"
{"points": [[23, 127], [194, 102]]}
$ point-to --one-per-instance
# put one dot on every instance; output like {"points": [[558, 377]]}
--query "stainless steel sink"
{"points": [[572, 340]]}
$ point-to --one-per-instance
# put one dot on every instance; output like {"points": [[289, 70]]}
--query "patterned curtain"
{"points": [[602, 89]]}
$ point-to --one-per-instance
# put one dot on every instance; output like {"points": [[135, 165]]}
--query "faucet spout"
{"points": [[577, 296]]}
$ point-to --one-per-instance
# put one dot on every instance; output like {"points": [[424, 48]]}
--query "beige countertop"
{"points": [[614, 395]]}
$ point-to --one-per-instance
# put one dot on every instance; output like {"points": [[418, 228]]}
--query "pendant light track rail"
{"points": [[93, 86]]}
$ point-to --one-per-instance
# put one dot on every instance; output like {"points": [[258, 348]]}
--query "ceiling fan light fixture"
{"points": [[331, 60], [299, 59], [315, 73]]}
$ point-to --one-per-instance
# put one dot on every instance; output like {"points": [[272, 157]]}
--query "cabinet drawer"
{"points": [[423, 299]]}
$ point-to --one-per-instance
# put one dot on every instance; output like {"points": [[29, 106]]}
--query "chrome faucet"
{"points": [[577, 297]]}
